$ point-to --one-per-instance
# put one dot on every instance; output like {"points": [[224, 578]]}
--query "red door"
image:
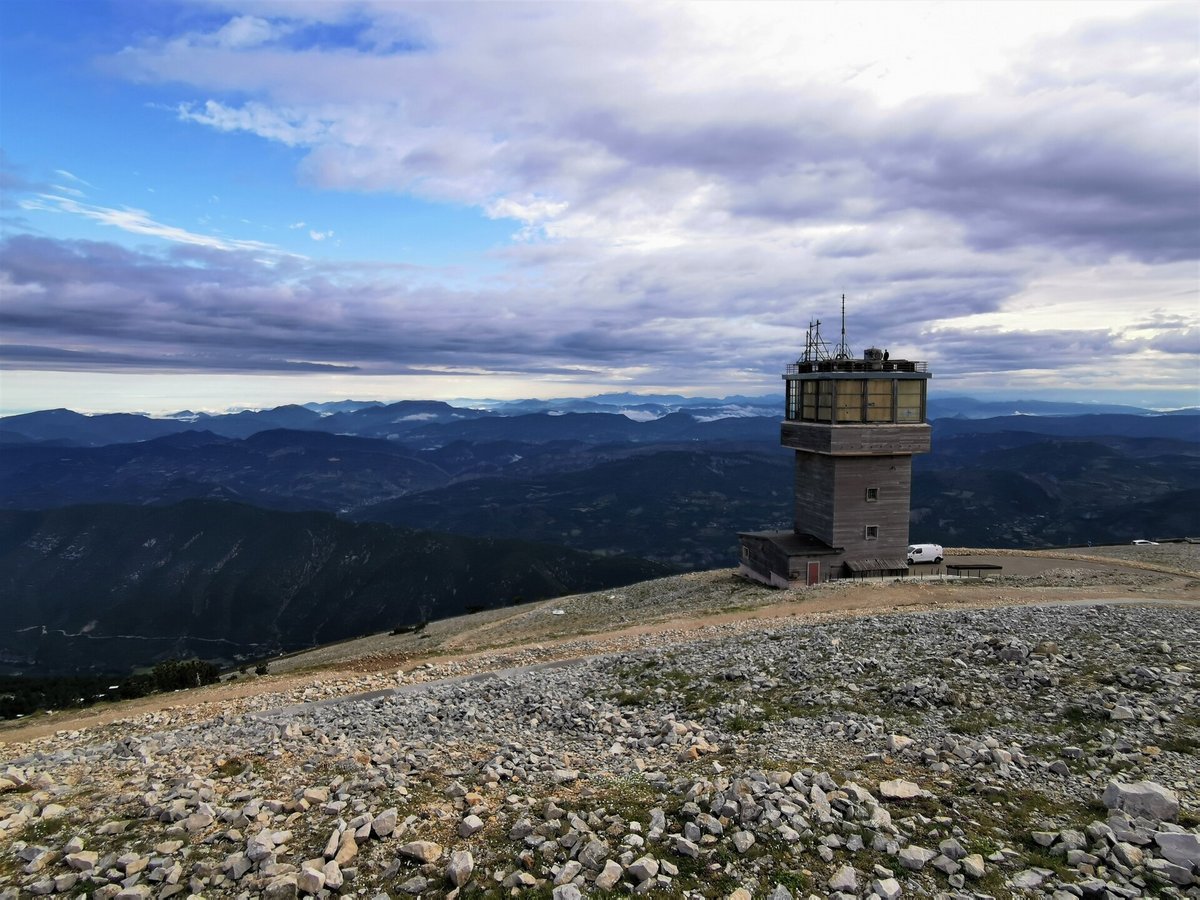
{"points": [[814, 572]]}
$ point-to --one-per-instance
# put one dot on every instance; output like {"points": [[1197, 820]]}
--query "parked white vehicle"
{"points": [[925, 553]]}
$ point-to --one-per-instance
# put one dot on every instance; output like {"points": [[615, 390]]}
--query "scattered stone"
{"points": [[423, 851], [914, 858], [1142, 798], [844, 880], [973, 866], [899, 789], [1183, 849], [460, 867], [609, 876], [743, 841], [557, 738], [384, 823]]}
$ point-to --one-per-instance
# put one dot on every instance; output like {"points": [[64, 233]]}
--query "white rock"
{"points": [[609, 877], [384, 823], [899, 789], [460, 867], [425, 851], [844, 880], [469, 826]]}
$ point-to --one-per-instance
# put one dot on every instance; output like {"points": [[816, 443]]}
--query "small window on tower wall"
{"points": [[871, 532], [872, 494]]}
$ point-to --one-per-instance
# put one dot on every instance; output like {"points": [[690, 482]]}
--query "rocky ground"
{"points": [[964, 751]]}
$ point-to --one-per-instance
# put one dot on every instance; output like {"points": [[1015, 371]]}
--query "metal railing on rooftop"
{"points": [[856, 365]]}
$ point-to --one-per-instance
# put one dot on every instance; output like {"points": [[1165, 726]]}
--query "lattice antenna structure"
{"points": [[815, 348]]}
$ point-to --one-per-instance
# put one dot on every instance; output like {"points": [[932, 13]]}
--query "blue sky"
{"points": [[239, 204]]}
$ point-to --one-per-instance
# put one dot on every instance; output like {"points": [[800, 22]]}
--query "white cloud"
{"points": [[286, 126], [692, 181], [70, 176], [247, 31], [137, 221]]}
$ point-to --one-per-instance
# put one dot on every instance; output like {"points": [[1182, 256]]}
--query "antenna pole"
{"points": [[842, 349]]}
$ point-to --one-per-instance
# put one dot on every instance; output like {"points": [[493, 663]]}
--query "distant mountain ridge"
{"points": [[104, 588], [397, 421], [124, 537], [567, 479], [971, 408]]}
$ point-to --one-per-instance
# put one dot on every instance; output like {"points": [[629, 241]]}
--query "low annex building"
{"points": [[854, 425]]}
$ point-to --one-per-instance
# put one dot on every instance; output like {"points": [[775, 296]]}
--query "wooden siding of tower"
{"points": [[892, 477], [832, 505], [814, 498], [855, 440]]}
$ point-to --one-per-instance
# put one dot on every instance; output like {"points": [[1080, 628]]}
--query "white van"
{"points": [[925, 553]]}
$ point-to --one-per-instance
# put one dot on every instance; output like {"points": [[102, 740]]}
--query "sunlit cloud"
{"points": [[687, 185], [70, 176], [137, 221]]}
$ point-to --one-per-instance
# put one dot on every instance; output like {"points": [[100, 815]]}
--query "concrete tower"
{"points": [[854, 425]]}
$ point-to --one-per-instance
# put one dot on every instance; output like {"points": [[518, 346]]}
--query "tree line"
{"points": [[21, 695]]}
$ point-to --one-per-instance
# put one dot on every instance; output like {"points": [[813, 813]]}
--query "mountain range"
{"points": [[98, 588], [615, 494], [409, 419]]}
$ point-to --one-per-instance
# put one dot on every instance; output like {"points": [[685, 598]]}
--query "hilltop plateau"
{"points": [[1032, 734]]}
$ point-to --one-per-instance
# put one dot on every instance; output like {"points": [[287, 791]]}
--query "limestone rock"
{"points": [[844, 880], [914, 858], [384, 823], [1181, 849], [424, 851], [460, 867], [609, 877], [899, 789], [1142, 798], [644, 868]]}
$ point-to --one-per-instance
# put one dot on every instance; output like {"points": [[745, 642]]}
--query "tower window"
{"points": [[871, 532], [872, 494]]}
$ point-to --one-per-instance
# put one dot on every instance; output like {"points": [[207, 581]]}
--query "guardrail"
{"points": [[855, 365]]}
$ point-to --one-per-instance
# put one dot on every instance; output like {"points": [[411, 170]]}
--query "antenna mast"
{"points": [[843, 350]]}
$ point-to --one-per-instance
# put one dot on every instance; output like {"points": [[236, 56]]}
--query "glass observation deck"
{"points": [[856, 391]]}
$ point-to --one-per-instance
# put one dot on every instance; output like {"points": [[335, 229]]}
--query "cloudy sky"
{"points": [[226, 204]]}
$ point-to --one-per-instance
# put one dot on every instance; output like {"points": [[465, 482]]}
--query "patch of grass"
{"points": [[640, 696], [232, 767], [974, 722], [992, 883], [43, 829], [740, 723], [1037, 856], [631, 797], [1180, 743]]}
